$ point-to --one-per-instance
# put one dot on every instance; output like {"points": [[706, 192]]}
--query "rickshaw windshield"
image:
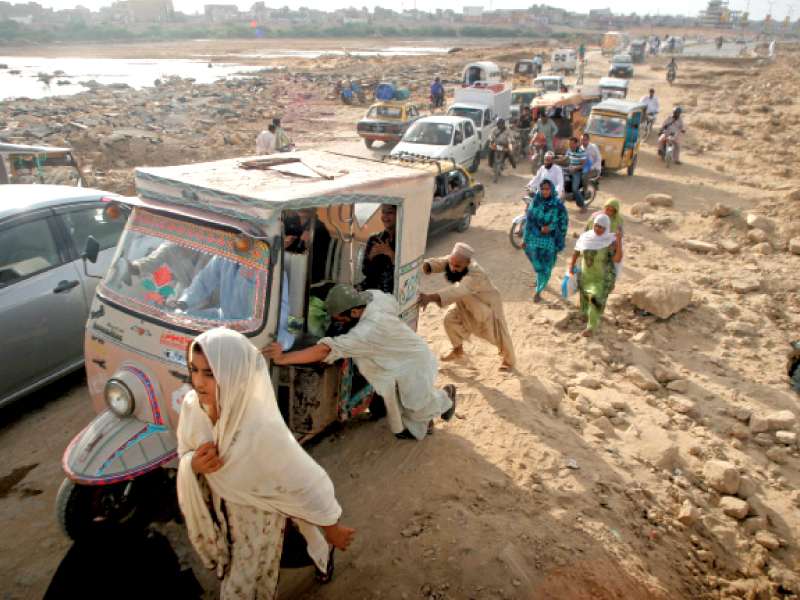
{"points": [[56, 168], [523, 97], [436, 134], [606, 125], [524, 68], [188, 274]]}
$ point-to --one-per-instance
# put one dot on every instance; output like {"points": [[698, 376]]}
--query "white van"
{"points": [[564, 60]]}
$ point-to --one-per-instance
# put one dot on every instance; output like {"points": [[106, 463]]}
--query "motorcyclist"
{"points": [[652, 104], [672, 124], [549, 170], [526, 119], [501, 136], [437, 92], [672, 67], [548, 128]]}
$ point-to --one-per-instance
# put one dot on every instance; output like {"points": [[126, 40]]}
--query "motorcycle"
{"points": [[669, 150], [499, 152], [670, 76], [435, 102], [648, 126], [518, 226], [589, 194], [538, 148], [521, 140]]}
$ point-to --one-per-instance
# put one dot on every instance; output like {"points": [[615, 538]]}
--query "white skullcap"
{"points": [[551, 154], [463, 250]]}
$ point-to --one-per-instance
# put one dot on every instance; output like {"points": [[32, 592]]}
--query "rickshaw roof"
{"points": [[619, 106], [614, 82], [558, 99], [483, 65], [525, 60], [257, 188]]}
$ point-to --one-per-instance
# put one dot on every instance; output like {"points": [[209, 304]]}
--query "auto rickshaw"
{"points": [[614, 87], [482, 75], [615, 127], [569, 112], [39, 164], [638, 50], [194, 223], [525, 72]]}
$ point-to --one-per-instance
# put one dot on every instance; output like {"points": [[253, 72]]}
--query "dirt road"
{"points": [[487, 507]]}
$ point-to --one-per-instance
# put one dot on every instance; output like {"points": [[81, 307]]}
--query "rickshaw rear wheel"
{"points": [[632, 166]]}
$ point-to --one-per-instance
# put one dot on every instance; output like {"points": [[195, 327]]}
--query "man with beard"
{"points": [[391, 356], [549, 170], [475, 305]]}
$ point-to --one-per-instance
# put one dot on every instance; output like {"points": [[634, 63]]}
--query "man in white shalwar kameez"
{"points": [[475, 304], [391, 356]]}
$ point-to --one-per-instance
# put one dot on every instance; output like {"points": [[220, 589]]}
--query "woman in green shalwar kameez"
{"points": [[599, 251]]}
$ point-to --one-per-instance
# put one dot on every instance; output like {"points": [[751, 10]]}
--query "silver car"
{"points": [[45, 292]]}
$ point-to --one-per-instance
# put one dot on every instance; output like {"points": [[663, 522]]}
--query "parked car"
{"points": [[456, 195], [39, 164], [621, 65], [387, 122], [45, 288], [443, 138]]}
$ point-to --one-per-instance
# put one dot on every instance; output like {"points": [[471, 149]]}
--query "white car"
{"points": [[443, 138]]}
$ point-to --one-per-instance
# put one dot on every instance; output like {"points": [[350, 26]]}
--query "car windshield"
{"points": [[476, 114], [548, 85], [523, 97], [524, 68], [188, 274], [56, 168], [622, 59], [436, 134], [385, 112], [606, 125]]}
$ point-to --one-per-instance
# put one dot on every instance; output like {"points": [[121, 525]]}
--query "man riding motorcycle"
{"points": [[548, 128], [652, 104], [672, 68], [526, 119], [437, 92], [502, 137], [549, 170], [672, 124]]}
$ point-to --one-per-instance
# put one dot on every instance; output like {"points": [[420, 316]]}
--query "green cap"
{"points": [[342, 298]]}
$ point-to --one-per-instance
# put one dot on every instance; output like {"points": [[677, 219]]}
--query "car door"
{"points": [[42, 305], [77, 223], [455, 197], [471, 145]]}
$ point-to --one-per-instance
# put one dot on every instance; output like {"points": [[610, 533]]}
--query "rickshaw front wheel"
{"points": [[79, 508], [632, 166]]}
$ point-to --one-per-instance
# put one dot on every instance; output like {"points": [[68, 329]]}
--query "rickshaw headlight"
{"points": [[119, 398]]}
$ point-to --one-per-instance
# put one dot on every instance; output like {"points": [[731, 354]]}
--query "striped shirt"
{"points": [[577, 157]]}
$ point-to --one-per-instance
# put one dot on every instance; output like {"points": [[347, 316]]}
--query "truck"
{"points": [[484, 107], [613, 42]]}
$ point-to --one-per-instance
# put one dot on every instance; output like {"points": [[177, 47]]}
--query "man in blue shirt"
{"points": [[577, 164], [437, 92]]}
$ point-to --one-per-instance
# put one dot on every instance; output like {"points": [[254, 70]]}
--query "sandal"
{"points": [[450, 389], [327, 575], [404, 435]]}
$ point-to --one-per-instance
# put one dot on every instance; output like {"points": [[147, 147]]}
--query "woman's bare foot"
{"points": [[587, 333], [505, 367], [452, 355], [537, 297]]}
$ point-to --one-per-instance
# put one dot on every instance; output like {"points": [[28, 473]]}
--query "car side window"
{"points": [[487, 117], [459, 136], [26, 249], [93, 221], [469, 131]]}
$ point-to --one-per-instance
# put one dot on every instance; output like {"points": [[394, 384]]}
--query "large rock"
{"points": [[783, 419], [558, 318], [734, 507], [548, 393], [701, 247], [764, 248], [722, 210], [759, 222], [657, 449], [641, 378], [722, 476], [794, 245], [747, 284], [741, 329], [768, 540], [729, 246], [688, 513], [662, 294], [664, 374], [757, 236], [660, 200], [641, 208]]}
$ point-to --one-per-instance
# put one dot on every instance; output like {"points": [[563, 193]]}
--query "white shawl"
{"points": [[589, 240], [263, 465]]}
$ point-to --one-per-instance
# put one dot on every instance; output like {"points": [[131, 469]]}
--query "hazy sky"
{"points": [[758, 8]]}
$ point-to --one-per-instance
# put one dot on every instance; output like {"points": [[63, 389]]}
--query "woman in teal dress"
{"points": [[546, 222], [600, 250]]}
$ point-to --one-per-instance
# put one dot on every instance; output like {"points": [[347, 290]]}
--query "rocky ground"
{"points": [[658, 459]]}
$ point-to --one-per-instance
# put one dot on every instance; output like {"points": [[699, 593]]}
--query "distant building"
{"points": [[473, 14], [219, 13], [717, 14], [26, 14]]}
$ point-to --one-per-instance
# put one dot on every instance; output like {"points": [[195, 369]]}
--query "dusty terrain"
{"points": [[492, 506]]}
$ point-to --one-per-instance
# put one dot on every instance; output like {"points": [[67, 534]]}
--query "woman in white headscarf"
{"points": [[600, 250], [242, 473]]}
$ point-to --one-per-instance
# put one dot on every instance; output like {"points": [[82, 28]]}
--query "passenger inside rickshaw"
{"points": [[473, 75]]}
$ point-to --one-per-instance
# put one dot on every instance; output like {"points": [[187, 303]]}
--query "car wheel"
{"points": [[466, 219], [368, 142], [476, 162], [632, 166]]}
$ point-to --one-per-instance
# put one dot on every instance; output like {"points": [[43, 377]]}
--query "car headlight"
{"points": [[119, 398]]}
